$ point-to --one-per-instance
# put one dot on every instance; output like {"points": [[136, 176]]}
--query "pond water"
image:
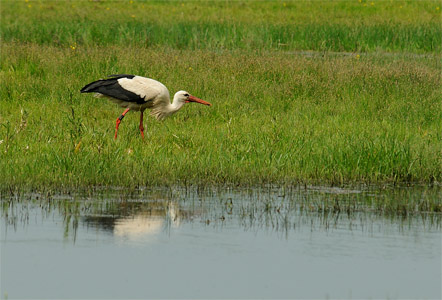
{"points": [[309, 242]]}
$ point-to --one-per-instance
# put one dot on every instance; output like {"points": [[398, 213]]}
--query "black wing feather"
{"points": [[110, 87], [118, 76]]}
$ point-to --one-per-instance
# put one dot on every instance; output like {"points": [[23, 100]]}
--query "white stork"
{"points": [[138, 93]]}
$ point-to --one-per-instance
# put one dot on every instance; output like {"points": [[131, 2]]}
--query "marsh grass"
{"points": [[279, 115], [412, 26], [276, 118]]}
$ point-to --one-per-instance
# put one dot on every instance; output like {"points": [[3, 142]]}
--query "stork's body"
{"points": [[138, 93]]}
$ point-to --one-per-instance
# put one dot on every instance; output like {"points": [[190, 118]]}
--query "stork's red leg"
{"points": [[141, 125], [119, 121]]}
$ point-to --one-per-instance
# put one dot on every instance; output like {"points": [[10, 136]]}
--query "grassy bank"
{"points": [[276, 118], [278, 115]]}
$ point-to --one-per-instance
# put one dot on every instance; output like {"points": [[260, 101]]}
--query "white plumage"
{"points": [[139, 93]]}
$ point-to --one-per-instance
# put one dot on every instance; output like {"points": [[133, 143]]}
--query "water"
{"points": [[173, 243]]}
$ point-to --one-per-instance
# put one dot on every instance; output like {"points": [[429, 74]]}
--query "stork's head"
{"points": [[185, 97]]}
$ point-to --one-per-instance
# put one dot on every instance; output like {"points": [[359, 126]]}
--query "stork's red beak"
{"points": [[197, 100]]}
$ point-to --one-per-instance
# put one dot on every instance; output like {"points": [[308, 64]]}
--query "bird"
{"points": [[137, 93]]}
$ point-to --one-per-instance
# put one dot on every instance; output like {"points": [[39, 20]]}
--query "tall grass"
{"points": [[288, 107], [277, 117], [412, 26]]}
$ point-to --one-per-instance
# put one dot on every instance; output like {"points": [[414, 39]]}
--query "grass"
{"points": [[288, 107], [412, 26]]}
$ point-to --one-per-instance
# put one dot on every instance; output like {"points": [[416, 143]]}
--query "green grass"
{"points": [[412, 26], [281, 114]]}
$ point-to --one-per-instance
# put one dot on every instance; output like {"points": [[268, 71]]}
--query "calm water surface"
{"points": [[173, 243]]}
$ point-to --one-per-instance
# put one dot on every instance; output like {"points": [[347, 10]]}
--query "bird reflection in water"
{"points": [[134, 221]]}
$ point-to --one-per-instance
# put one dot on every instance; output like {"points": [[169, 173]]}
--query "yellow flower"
{"points": [[437, 8], [29, 5], [131, 2], [133, 16], [190, 69], [107, 8], [372, 3], [358, 56], [26, 1], [284, 4]]}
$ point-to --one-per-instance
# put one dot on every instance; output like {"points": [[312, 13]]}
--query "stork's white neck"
{"points": [[175, 105], [163, 111]]}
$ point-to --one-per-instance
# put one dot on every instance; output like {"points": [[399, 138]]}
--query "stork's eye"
{"points": [[186, 95]]}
